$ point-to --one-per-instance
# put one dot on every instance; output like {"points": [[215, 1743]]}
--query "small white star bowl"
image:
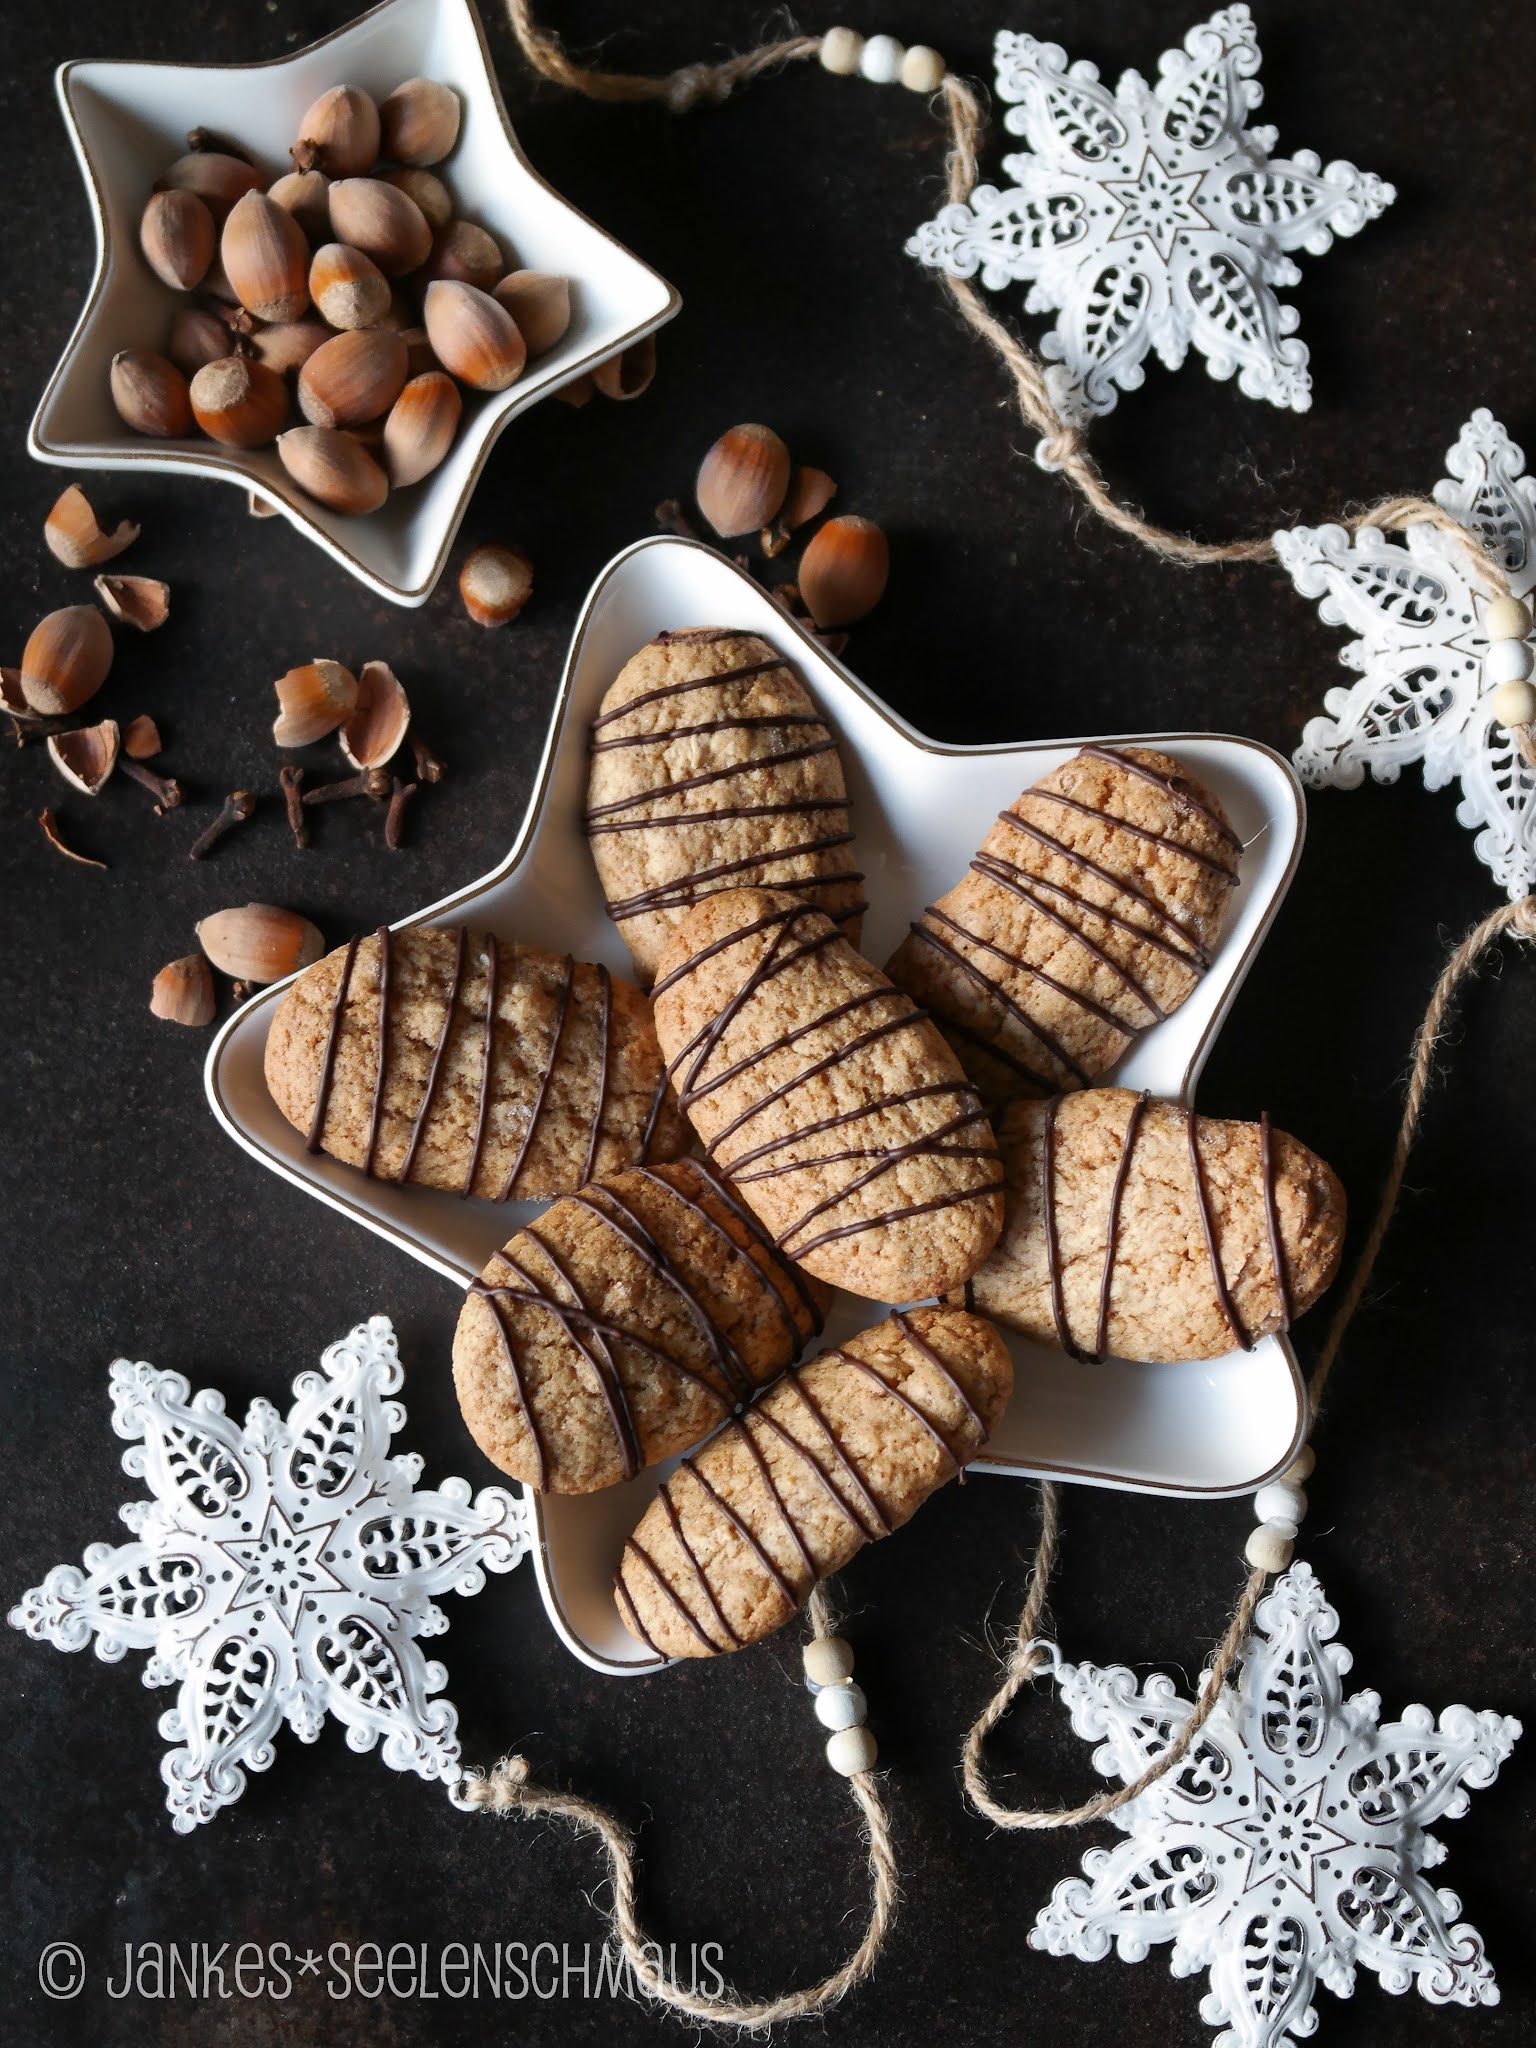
{"points": [[128, 121], [1218, 1426]]}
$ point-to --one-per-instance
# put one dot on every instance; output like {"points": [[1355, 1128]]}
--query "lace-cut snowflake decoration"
{"points": [[1288, 1848], [281, 1572], [1152, 218], [1421, 694]]}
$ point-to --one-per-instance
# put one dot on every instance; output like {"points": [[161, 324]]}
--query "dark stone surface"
{"points": [[133, 1227]]}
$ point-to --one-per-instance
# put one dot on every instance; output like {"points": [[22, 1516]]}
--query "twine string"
{"points": [[1027, 1658], [508, 1790]]}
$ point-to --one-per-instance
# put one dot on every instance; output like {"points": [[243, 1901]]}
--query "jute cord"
{"points": [[508, 1788]]}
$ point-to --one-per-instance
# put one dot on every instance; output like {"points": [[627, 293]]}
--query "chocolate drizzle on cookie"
{"points": [[1272, 1221], [332, 1040], [828, 1465], [771, 747], [688, 1069], [488, 1048], [381, 1071], [450, 1003]]}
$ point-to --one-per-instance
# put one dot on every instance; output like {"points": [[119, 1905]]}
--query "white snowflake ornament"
{"points": [[1288, 1848], [1152, 218], [1421, 648], [281, 1572]]}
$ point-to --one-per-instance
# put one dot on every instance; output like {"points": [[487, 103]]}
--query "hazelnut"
{"points": [[630, 372], [65, 662], [183, 991], [420, 429], [240, 402], [266, 258], [333, 468], [150, 394], [352, 378], [428, 191], [218, 179], [843, 571], [348, 288], [382, 221], [73, 535], [540, 303], [742, 480], [307, 196], [289, 344], [197, 337], [177, 235], [339, 134], [313, 700], [473, 336], [259, 943], [141, 738], [465, 252], [495, 583], [419, 121]]}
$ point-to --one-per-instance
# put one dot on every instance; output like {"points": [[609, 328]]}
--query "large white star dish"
{"points": [[1152, 218], [280, 1572], [1288, 1849], [1422, 694], [128, 121], [918, 810]]}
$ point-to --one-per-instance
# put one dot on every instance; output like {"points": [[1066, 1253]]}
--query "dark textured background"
{"points": [[133, 1227]]}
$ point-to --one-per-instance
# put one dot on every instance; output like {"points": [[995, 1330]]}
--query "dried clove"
{"points": [[671, 516], [238, 806], [165, 789], [428, 767], [50, 825], [394, 818], [372, 782], [292, 781]]}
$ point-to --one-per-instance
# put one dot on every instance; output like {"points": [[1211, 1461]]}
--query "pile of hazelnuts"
{"points": [[348, 286]]}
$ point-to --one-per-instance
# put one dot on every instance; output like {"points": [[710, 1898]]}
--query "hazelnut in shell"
{"points": [[259, 943], [540, 303], [420, 429], [182, 992], [289, 344], [472, 336], [419, 121], [218, 179], [742, 480], [428, 191], [348, 288], [66, 660], [240, 402], [353, 378], [150, 394], [178, 237], [495, 583], [381, 220], [339, 135], [197, 337], [266, 258], [333, 468], [463, 251], [307, 196], [844, 569]]}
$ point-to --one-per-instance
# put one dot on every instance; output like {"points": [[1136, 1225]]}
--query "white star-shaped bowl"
{"points": [[919, 810], [129, 121]]}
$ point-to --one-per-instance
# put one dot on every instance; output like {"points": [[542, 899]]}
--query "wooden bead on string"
{"points": [[1506, 618], [881, 60], [1507, 661], [828, 1660], [839, 1704], [840, 52], [1268, 1548], [1514, 704], [1279, 1507], [851, 1751]]}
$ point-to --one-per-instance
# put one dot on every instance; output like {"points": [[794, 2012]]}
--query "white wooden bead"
{"points": [[1302, 1466], [841, 49], [1266, 1550], [1281, 1527], [1514, 704], [1507, 661], [922, 69], [852, 1750], [841, 1706], [828, 1660], [1280, 1501], [1507, 619], [882, 59]]}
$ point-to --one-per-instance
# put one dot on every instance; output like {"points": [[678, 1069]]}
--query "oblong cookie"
{"points": [[1089, 914], [840, 1452], [451, 1059], [712, 769], [623, 1325], [833, 1104], [1139, 1230]]}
